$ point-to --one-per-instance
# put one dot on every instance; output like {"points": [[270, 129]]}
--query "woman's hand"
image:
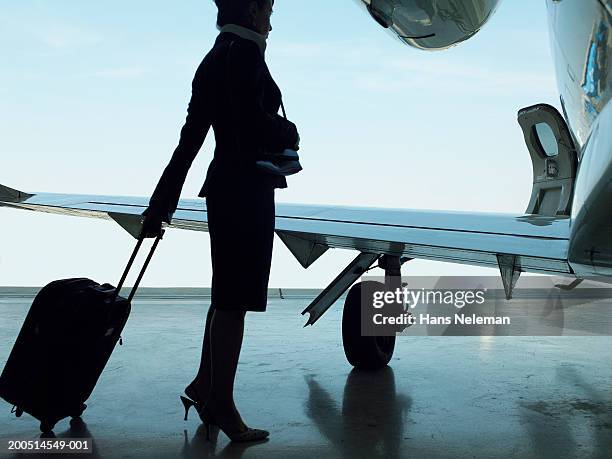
{"points": [[151, 223]]}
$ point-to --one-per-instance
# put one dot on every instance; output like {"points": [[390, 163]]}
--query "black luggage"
{"points": [[64, 344]]}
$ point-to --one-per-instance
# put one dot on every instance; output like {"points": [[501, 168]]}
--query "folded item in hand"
{"points": [[284, 163]]}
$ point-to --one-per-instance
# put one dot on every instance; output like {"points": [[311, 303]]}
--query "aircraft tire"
{"points": [[363, 352]]}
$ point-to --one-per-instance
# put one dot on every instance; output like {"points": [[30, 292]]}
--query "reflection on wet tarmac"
{"points": [[371, 418], [443, 396]]}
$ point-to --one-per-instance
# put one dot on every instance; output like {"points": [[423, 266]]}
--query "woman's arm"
{"points": [[168, 190], [246, 80]]}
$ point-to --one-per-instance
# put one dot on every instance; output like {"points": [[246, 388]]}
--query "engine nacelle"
{"points": [[431, 24]]}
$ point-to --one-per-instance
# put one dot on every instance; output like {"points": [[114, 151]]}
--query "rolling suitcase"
{"points": [[64, 344]]}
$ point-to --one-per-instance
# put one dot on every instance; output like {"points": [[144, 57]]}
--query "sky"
{"points": [[93, 96]]}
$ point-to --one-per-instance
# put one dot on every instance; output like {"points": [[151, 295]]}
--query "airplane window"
{"points": [[547, 139]]}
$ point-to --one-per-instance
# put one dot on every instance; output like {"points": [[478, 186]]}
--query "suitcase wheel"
{"points": [[46, 427], [80, 412]]}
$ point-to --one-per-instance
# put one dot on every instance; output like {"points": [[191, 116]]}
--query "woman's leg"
{"points": [[226, 333], [201, 383]]}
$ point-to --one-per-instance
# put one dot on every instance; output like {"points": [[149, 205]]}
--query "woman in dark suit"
{"points": [[234, 93]]}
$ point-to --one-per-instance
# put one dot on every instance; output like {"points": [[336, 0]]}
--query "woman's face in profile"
{"points": [[262, 16]]}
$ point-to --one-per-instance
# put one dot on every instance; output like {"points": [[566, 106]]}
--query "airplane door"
{"points": [[553, 157]]}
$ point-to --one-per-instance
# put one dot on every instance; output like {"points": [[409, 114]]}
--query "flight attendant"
{"points": [[234, 93]]}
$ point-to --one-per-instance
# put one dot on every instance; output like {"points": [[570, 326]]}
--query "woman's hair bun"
{"points": [[234, 11]]}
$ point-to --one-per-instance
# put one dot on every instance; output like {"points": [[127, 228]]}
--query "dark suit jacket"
{"points": [[234, 92]]}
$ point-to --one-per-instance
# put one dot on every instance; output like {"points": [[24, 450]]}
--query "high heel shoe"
{"points": [[192, 399], [193, 393], [243, 436], [188, 403]]}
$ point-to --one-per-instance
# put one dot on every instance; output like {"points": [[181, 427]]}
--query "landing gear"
{"points": [[364, 352]]}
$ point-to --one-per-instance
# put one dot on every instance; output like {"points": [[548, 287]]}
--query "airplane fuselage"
{"points": [[582, 47]]}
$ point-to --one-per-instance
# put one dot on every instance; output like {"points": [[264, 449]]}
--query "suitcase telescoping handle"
{"points": [[143, 269]]}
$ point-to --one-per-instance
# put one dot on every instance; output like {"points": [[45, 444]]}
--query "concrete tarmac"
{"points": [[441, 397]]}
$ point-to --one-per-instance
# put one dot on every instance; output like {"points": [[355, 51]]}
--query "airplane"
{"points": [[567, 226]]}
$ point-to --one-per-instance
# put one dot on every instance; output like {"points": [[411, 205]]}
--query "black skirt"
{"points": [[241, 229]]}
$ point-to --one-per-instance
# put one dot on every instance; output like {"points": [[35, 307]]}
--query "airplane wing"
{"points": [[534, 243]]}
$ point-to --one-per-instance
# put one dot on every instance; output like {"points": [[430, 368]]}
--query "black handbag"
{"points": [[283, 163]]}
